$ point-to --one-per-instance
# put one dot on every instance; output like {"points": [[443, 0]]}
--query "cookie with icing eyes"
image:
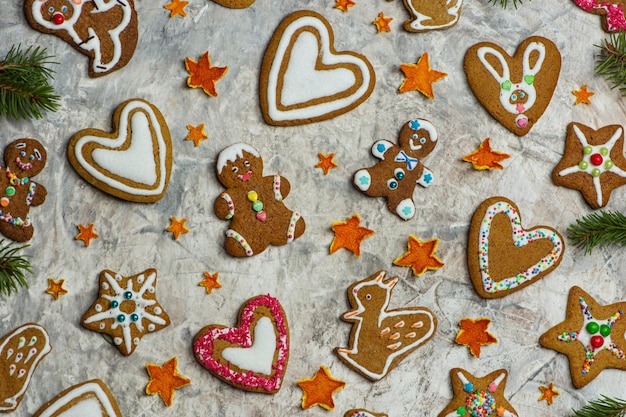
{"points": [[104, 30], [24, 159], [400, 167], [253, 203]]}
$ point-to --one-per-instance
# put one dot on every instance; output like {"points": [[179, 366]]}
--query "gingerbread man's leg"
{"points": [[237, 245], [17, 233]]}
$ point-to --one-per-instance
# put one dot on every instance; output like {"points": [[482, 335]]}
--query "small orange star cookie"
{"points": [[55, 288], [176, 7], [164, 380], [319, 389], [582, 95], [420, 77], [177, 227], [326, 162], [485, 158], [344, 4], [86, 234], [203, 75], [210, 282], [349, 235], [382, 23], [474, 334], [196, 134], [548, 393], [420, 256]]}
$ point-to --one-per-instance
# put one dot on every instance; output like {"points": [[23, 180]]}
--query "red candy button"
{"points": [[597, 341], [58, 19], [596, 159]]}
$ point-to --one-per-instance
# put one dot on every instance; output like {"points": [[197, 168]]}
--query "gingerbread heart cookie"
{"points": [[87, 399], [304, 79], [611, 12], [20, 353], [515, 90], [105, 31], [252, 356], [593, 162], [502, 256], [133, 162]]}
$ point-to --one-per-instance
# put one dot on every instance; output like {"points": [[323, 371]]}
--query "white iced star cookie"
{"points": [[126, 309]]}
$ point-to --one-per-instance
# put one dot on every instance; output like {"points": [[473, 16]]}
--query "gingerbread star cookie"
{"points": [[478, 396], [126, 309], [381, 338], [592, 336], [593, 162]]}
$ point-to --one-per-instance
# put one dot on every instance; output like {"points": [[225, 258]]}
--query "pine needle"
{"points": [[598, 228], [13, 267], [505, 3], [602, 407], [611, 61], [24, 83]]}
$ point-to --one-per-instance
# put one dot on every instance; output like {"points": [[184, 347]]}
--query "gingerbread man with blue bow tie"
{"points": [[400, 167]]}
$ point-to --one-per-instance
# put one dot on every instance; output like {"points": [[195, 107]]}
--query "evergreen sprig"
{"points": [[611, 60], [13, 267], [24, 83], [602, 407], [603, 227], [505, 3]]}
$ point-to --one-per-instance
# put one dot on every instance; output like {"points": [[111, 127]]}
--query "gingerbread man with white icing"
{"points": [[24, 159], [253, 203]]}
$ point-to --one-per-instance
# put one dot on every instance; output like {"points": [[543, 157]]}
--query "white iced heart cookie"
{"points": [[88, 399], [133, 162], [304, 79]]}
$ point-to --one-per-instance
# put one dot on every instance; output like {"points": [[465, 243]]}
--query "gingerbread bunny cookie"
{"points": [[24, 158], [253, 203], [400, 167], [104, 30]]}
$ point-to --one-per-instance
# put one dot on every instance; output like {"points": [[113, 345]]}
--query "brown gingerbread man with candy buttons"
{"points": [[24, 158], [253, 203]]}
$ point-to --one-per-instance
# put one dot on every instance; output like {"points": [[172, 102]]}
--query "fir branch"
{"points": [[505, 3], [602, 407], [611, 61], [13, 267], [598, 228], [24, 83]]}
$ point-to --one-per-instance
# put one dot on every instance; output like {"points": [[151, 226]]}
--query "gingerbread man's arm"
{"points": [[281, 186], [40, 195], [224, 206]]}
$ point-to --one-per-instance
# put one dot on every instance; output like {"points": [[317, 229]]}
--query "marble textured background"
{"points": [[309, 282]]}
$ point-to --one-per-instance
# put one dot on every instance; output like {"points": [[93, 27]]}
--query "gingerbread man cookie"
{"points": [[253, 203], [24, 158], [104, 30], [400, 167]]}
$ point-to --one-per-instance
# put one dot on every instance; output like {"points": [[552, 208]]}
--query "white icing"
{"points": [[462, 378], [12, 402], [327, 81], [259, 357], [499, 379], [135, 162], [232, 153], [590, 167], [100, 406], [406, 209], [301, 74], [505, 77], [362, 179], [93, 44], [415, 143], [380, 147], [384, 314], [276, 186], [453, 6]]}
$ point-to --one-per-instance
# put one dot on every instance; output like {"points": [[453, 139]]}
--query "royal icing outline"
{"points": [[103, 397], [520, 237], [241, 335], [313, 27], [144, 119], [418, 19], [93, 43]]}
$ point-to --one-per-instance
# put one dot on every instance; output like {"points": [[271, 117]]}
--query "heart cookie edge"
{"points": [[473, 249], [84, 173], [248, 307], [268, 62]]}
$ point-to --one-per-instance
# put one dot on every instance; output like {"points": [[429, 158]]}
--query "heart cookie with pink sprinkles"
{"points": [[252, 356]]}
